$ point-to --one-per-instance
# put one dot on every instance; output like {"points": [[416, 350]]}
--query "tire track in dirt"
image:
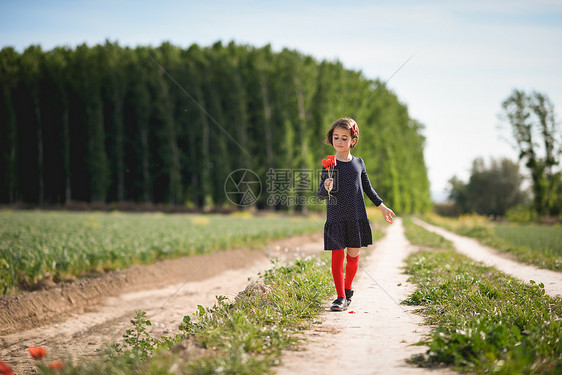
{"points": [[58, 301], [470, 247], [379, 336]]}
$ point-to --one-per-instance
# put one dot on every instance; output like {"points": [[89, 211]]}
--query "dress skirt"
{"points": [[347, 233]]}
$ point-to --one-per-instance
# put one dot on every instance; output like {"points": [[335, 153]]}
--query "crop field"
{"points": [[540, 238], [38, 245]]}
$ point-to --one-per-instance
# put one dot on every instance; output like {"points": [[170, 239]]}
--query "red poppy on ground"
{"points": [[56, 365], [37, 352], [5, 369]]}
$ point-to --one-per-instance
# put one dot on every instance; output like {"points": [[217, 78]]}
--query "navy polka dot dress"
{"points": [[347, 224]]}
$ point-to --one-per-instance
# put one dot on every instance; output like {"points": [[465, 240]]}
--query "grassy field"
{"points": [[36, 245], [486, 322], [546, 239], [530, 243]]}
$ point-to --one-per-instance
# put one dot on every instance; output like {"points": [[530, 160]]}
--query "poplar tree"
{"points": [[533, 124], [114, 88], [30, 126], [9, 76]]}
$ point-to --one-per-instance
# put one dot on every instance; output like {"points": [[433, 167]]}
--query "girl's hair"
{"points": [[344, 123]]}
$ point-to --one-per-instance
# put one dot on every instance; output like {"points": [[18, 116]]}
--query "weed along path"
{"points": [[470, 247], [167, 291], [377, 334]]}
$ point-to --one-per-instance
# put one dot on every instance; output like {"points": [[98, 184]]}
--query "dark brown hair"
{"points": [[344, 123]]}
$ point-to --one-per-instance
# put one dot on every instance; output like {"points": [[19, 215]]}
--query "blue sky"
{"points": [[468, 56]]}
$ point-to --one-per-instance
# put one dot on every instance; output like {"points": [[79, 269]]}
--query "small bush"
{"points": [[521, 214]]}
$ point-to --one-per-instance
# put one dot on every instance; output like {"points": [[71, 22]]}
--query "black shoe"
{"points": [[348, 295], [339, 304]]}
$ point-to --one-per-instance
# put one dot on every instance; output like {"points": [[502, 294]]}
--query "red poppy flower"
{"points": [[333, 159], [5, 369], [327, 163], [37, 352], [56, 365]]}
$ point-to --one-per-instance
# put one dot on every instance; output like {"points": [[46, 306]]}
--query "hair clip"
{"points": [[354, 128]]}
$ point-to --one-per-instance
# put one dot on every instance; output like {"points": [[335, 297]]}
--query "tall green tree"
{"points": [[55, 110], [32, 178], [137, 125], [114, 88], [194, 126], [9, 75], [169, 150], [219, 133], [532, 119], [89, 88]]}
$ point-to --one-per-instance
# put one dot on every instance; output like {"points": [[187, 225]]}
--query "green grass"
{"points": [[486, 322], [36, 245], [241, 336], [529, 243], [423, 238], [546, 239]]}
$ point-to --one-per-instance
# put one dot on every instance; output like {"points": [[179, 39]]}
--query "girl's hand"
{"points": [[329, 184], [387, 213]]}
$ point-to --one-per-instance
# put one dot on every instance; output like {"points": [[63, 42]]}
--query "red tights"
{"points": [[337, 270]]}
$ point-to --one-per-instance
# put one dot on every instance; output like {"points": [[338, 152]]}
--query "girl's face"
{"points": [[341, 139]]}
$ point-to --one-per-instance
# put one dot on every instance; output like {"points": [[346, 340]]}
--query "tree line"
{"points": [[167, 124]]}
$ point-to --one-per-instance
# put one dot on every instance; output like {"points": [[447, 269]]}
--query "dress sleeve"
{"points": [[322, 192], [367, 188]]}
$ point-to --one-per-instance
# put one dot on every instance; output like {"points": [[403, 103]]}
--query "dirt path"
{"points": [[89, 323], [470, 247], [376, 334]]}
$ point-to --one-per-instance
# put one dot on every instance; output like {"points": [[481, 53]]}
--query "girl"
{"points": [[347, 225]]}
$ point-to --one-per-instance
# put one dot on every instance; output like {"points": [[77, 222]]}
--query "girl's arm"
{"points": [[367, 188], [322, 192], [374, 197]]}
